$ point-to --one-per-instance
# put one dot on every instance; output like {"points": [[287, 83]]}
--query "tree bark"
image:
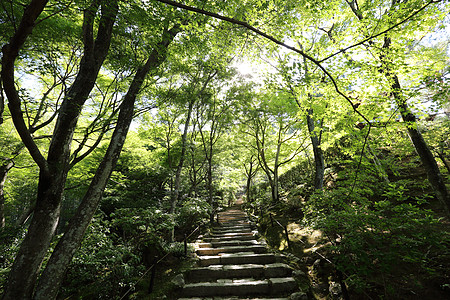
{"points": [[317, 151], [444, 160], [53, 274], [4, 169], [426, 156], [250, 172], [53, 171], [176, 192]]}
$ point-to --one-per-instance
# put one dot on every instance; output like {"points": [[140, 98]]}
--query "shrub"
{"points": [[370, 241]]}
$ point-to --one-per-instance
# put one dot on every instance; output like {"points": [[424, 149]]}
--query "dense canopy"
{"points": [[126, 126]]}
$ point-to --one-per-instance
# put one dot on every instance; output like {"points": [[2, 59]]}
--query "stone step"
{"points": [[214, 239], [234, 223], [241, 287], [214, 272], [234, 217], [231, 234], [235, 226], [238, 258], [231, 230], [232, 298], [229, 243], [231, 249]]}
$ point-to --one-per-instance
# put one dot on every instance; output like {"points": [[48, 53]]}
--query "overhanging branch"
{"points": [[271, 38]]}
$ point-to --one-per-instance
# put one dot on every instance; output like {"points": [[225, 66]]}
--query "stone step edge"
{"points": [[230, 238], [242, 287], [239, 259], [201, 244], [233, 298], [216, 272], [231, 249]]}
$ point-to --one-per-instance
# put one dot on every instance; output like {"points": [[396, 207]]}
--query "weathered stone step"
{"points": [[247, 233], [233, 217], [214, 272], [230, 230], [234, 223], [238, 258], [214, 239], [232, 298], [236, 226], [241, 287], [229, 243], [231, 249]]}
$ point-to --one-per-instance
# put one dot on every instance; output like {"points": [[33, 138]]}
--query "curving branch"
{"points": [[10, 53], [359, 16], [273, 39]]}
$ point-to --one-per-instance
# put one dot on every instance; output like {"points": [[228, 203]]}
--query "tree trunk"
{"points": [[444, 160], [250, 174], [317, 150], [53, 171], [176, 193], [4, 169], [274, 185], [53, 274], [25, 215], [428, 161], [210, 189], [426, 156]]}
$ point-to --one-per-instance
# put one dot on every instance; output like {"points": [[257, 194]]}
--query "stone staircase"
{"points": [[233, 264]]}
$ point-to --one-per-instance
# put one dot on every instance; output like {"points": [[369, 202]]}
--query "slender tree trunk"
{"points": [[210, 187], [176, 192], [26, 214], [444, 160], [2, 102], [428, 161], [53, 274], [53, 171], [250, 174], [4, 169], [426, 156], [317, 150]]}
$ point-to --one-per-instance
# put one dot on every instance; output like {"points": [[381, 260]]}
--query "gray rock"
{"points": [[178, 281], [335, 290], [298, 296], [298, 273]]}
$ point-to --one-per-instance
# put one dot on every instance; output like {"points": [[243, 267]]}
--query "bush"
{"points": [[10, 239], [193, 212], [103, 266], [372, 242]]}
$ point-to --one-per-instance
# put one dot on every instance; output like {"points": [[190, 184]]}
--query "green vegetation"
{"points": [[125, 126]]}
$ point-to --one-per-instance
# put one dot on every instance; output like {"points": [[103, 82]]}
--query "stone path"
{"points": [[233, 264]]}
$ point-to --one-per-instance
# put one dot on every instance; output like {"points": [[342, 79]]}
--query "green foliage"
{"points": [[376, 243], [140, 223], [10, 239], [105, 266], [193, 212]]}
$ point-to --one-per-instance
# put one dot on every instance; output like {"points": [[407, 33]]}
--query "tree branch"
{"points": [[10, 53], [378, 34], [271, 38]]}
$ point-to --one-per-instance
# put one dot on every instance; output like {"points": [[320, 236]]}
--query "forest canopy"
{"points": [[127, 125]]}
